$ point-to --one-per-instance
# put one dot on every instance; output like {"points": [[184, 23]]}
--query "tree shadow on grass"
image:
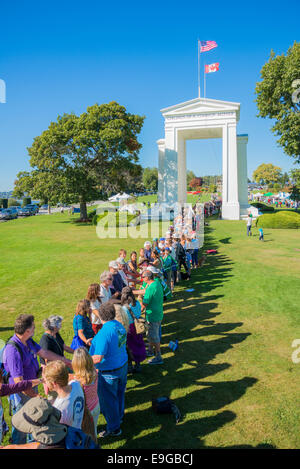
{"points": [[4, 329], [195, 322]]}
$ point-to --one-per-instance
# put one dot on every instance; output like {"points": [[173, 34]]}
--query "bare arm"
{"points": [[83, 338], [97, 358], [68, 349], [33, 445], [51, 356], [96, 313], [29, 392], [139, 292]]}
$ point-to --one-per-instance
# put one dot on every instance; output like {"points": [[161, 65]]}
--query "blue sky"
{"points": [[63, 56]]}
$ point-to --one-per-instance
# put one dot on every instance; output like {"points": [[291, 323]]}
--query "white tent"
{"points": [[118, 197], [128, 208], [124, 196], [114, 198]]}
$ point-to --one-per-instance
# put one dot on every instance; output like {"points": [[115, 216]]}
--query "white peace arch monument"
{"points": [[203, 118]]}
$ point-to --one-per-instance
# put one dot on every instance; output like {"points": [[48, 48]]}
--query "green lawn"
{"points": [[232, 377]]}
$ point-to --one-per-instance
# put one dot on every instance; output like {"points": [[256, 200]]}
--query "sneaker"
{"points": [[105, 433], [149, 353], [156, 361]]}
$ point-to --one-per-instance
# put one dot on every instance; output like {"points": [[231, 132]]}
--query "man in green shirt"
{"points": [[153, 304]]}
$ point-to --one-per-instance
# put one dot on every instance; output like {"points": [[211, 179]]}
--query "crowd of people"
{"points": [[116, 327]]}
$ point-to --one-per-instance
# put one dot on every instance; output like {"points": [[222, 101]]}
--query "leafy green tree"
{"points": [[278, 98], [82, 158], [150, 179], [267, 174], [295, 188], [285, 179]]}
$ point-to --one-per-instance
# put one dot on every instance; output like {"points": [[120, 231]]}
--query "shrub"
{"points": [[97, 218], [263, 207], [4, 203], [13, 203], [279, 220], [26, 201]]}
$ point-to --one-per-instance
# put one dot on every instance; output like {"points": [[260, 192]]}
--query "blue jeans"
{"points": [[195, 257], [111, 393], [17, 437]]}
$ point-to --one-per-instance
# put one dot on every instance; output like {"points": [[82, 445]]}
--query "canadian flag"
{"points": [[212, 68]]}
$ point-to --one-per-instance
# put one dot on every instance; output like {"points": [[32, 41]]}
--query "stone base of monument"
{"points": [[246, 210], [231, 211]]}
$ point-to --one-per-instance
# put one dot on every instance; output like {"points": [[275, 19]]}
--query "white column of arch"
{"points": [[181, 167], [161, 171], [242, 141], [230, 204]]}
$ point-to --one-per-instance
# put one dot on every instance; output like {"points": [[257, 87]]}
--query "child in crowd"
{"points": [[143, 261], [82, 325], [70, 396], [87, 375], [147, 250], [189, 252], [161, 244], [93, 296], [195, 253], [123, 253]]}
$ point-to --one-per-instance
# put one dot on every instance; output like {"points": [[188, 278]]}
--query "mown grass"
{"points": [[232, 377]]}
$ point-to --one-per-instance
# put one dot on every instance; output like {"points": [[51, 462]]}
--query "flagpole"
{"points": [[199, 93], [204, 82]]}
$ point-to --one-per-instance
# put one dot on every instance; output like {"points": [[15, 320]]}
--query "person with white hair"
{"points": [[122, 265], [51, 339], [148, 250], [106, 279], [117, 283]]}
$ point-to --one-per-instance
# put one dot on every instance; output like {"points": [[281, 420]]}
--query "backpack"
{"points": [[77, 439], [6, 374], [164, 405]]}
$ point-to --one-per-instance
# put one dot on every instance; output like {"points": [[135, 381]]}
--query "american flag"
{"points": [[207, 45]]}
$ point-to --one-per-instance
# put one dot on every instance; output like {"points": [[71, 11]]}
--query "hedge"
{"points": [[97, 218], [280, 220], [263, 207]]}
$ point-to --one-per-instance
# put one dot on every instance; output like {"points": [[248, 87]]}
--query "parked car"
{"points": [[34, 208], [44, 207], [8, 214], [25, 212], [3, 214]]}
